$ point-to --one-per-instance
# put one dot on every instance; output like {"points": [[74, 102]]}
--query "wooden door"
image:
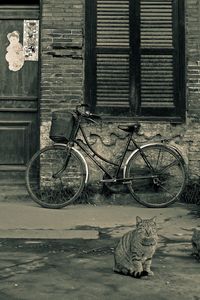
{"points": [[19, 124]]}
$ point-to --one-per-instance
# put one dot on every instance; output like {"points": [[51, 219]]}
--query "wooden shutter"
{"points": [[112, 57], [133, 63], [159, 74]]}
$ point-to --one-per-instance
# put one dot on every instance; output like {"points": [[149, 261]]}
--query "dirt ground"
{"points": [[82, 269]]}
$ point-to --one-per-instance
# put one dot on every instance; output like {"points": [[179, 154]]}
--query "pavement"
{"points": [[26, 219], [67, 254]]}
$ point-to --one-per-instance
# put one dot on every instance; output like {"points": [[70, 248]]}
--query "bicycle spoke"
{"points": [[175, 162], [162, 187], [158, 160]]}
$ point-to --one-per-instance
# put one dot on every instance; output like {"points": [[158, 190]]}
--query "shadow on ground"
{"points": [[82, 269]]}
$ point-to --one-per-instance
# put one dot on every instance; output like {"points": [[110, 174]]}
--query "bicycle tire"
{"points": [[50, 192], [161, 186]]}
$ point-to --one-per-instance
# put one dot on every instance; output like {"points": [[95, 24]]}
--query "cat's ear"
{"points": [[154, 219], [138, 220]]}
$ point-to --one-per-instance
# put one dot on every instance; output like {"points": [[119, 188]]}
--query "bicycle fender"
{"points": [[178, 152], [173, 148], [81, 157]]}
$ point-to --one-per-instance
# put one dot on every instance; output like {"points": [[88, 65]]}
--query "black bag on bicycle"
{"points": [[62, 125]]}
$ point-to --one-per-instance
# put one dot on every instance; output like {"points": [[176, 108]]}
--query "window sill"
{"points": [[171, 120]]}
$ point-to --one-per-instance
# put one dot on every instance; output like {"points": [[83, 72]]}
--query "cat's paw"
{"points": [[136, 274], [144, 273], [150, 273]]}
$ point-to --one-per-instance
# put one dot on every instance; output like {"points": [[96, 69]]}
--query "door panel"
{"points": [[23, 82], [19, 126]]}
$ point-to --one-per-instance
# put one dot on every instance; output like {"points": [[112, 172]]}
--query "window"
{"points": [[135, 58]]}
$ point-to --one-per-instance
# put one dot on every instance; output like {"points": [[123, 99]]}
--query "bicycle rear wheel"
{"points": [[161, 184], [55, 176]]}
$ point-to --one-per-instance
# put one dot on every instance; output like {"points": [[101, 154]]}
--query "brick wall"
{"points": [[62, 57], [62, 80], [192, 134]]}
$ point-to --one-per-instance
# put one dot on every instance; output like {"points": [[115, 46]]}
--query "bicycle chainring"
{"points": [[115, 187]]}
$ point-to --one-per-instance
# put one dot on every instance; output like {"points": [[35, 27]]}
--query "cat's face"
{"points": [[147, 228]]}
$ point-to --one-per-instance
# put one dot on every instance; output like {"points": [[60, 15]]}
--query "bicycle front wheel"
{"points": [[55, 176], [157, 175]]}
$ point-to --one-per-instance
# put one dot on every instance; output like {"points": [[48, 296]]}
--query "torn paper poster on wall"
{"points": [[15, 52], [31, 38]]}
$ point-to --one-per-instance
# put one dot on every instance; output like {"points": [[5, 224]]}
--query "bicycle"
{"points": [[56, 175]]}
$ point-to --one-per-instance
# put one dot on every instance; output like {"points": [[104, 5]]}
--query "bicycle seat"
{"points": [[130, 128]]}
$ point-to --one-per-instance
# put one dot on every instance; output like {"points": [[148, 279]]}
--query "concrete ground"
{"points": [[68, 253]]}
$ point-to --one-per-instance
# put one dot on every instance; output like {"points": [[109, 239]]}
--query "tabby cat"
{"points": [[133, 254]]}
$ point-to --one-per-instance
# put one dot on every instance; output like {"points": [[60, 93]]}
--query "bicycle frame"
{"points": [[87, 147]]}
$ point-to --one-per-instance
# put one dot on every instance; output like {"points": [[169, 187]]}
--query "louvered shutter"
{"points": [[159, 76], [135, 57], [112, 57]]}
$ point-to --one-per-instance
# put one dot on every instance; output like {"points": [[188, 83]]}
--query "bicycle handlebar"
{"points": [[87, 114]]}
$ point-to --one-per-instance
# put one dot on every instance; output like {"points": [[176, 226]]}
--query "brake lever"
{"points": [[92, 121], [88, 114]]}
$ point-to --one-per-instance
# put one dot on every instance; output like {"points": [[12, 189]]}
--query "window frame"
{"points": [[137, 113]]}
